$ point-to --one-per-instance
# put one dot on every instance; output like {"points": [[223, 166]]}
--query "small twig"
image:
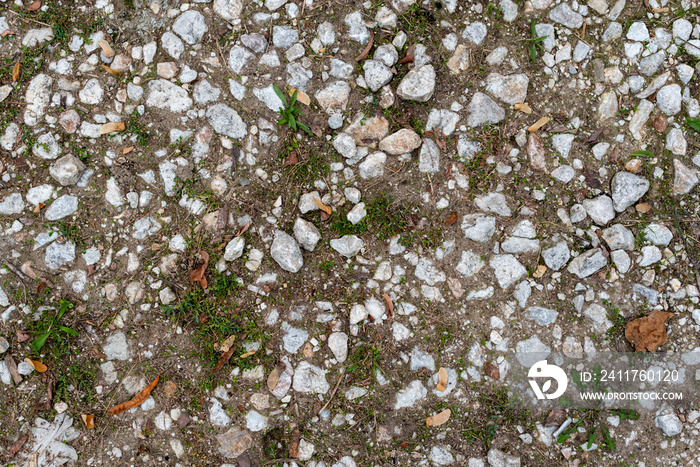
{"points": [[17, 272], [367, 48], [28, 19], [340, 380]]}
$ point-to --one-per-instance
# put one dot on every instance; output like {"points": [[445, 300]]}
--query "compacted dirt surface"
{"points": [[349, 274]]}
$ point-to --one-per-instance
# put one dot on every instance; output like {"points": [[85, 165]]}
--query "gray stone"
{"points": [[92, 93], [650, 295], [562, 143], [255, 42], [409, 395], [618, 237], [46, 147], [357, 213], [622, 261], [669, 423], [627, 188], [358, 31], [676, 143], [338, 344], [36, 37], [386, 54], [334, 97], [563, 14], [347, 245], [427, 272], [190, 26], [205, 93], [547, 31], [299, 76], [587, 263], [116, 347], [541, 316], [326, 33], [12, 204], [440, 455], [469, 264], [649, 65], [478, 227], [510, 10], [372, 166], [657, 234], [145, 227], [511, 89], [285, 251], [684, 178], [650, 255], [607, 106], [484, 110], [38, 96], [62, 207], [238, 58], [475, 32], [401, 142], [493, 202], [638, 32], [531, 351], [58, 254], [269, 97], [418, 84], [507, 270], [377, 74], [172, 44], [165, 95], [234, 249], [564, 173], [669, 99], [420, 360], [229, 10], [556, 257], [429, 157], [234, 442], [226, 121], [310, 379], [67, 170], [581, 51], [284, 36], [600, 209], [518, 245], [340, 69], [306, 234], [293, 338]]}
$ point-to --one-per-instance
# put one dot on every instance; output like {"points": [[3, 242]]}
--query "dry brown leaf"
{"points": [[127, 150], [35, 5], [273, 378], [451, 219], [538, 124], [14, 449], [38, 366], [111, 70], [301, 96], [106, 48], [523, 108], [389, 304], [308, 350], [137, 400], [111, 127], [15, 73], [492, 371], [442, 380], [294, 444], [169, 389], [439, 419], [541, 269], [88, 420], [555, 418], [198, 274], [291, 159], [648, 332], [327, 209], [227, 344], [225, 357], [248, 354], [38, 207], [367, 48], [22, 337], [242, 230], [7, 32], [643, 208]]}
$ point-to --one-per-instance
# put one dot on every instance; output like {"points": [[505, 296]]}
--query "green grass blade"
{"points": [[642, 154], [70, 331], [280, 94], [305, 128], [293, 99], [693, 123], [292, 122], [39, 342]]}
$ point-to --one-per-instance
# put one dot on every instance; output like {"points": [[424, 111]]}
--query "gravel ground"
{"points": [[459, 182]]}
